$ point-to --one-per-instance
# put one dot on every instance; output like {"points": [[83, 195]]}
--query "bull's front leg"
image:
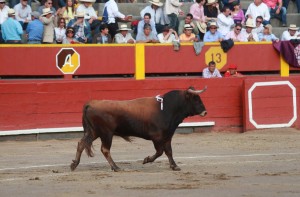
{"points": [[159, 151], [168, 151]]}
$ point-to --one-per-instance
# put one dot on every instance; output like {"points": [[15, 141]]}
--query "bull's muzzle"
{"points": [[203, 113]]}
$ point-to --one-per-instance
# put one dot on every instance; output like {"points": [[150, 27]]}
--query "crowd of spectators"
{"points": [[71, 21]]}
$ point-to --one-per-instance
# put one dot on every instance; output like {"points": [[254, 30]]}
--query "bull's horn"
{"points": [[197, 91]]}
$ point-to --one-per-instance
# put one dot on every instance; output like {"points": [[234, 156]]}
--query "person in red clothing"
{"points": [[232, 71]]}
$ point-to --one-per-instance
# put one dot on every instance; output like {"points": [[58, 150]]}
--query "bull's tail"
{"points": [[88, 132]]}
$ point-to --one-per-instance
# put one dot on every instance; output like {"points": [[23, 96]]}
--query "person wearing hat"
{"points": [[168, 35], [23, 11], [124, 36], [187, 35], [47, 19], [11, 29], [69, 38], [157, 14], [103, 37], [232, 71], [258, 8], [35, 29], [211, 10], [267, 34], [3, 16], [82, 28], [211, 71], [147, 36], [213, 35], [188, 20], [47, 4], [291, 33], [225, 21], [277, 10], [250, 35]]}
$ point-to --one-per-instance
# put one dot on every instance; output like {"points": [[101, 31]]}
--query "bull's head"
{"points": [[197, 104]]}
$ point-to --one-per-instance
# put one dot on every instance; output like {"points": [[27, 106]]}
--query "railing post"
{"points": [[139, 61], [284, 67]]}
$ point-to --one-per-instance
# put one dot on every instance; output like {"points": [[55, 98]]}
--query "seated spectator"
{"points": [[230, 3], [3, 16], [60, 31], [47, 4], [211, 10], [47, 19], [236, 34], [103, 37], [286, 4], [168, 36], [277, 10], [267, 34], [248, 32], [291, 33], [258, 8], [146, 20], [82, 28], [11, 29], [187, 20], [70, 39], [187, 35], [211, 71], [23, 11], [225, 21], [147, 36], [90, 15], [157, 14], [124, 36], [35, 29], [237, 13], [213, 35], [232, 71], [68, 11], [259, 27]]}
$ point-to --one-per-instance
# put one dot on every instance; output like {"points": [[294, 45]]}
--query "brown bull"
{"points": [[151, 118]]}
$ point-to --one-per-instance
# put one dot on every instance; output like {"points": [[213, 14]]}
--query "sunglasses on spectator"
{"points": [[70, 32], [49, 3], [238, 29], [258, 21], [2, 2]]}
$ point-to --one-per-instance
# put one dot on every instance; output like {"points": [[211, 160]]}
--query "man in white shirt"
{"points": [[291, 33], [3, 16], [248, 32], [90, 15], [168, 36], [225, 21], [157, 14], [259, 28], [23, 13], [124, 37], [211, 71], [258, 8]]}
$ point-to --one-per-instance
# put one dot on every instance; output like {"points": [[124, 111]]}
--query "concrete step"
{"points": [[277, 31]]}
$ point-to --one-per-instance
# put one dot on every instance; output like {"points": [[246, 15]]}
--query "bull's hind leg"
{"points": [[105, 149], [159, 152], [168, 151]]}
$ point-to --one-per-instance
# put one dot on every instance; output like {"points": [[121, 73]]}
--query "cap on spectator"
{"points": [[70, 29], [293, 27], [232, 66], [124, 27], [213, 24], [89, 1], [156, 2], [210, 2], [35, 14], [80, 15], [2, 1], [201, 26], [11, 12], [249, 23], [268, 26], [46, 11], [188, 26]]}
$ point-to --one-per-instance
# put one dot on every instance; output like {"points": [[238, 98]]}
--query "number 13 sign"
{"points": [[217, 55]]}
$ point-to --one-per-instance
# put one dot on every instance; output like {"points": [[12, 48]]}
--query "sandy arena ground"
{"points": [[262, 163]]}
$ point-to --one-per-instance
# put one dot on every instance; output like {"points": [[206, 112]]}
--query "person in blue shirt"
{"points": [[267, 34], [213, 35], [35, 29], [11, 29]]}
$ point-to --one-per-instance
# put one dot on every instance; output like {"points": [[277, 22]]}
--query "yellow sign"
{"points": [[217, 55], [67, 60]]}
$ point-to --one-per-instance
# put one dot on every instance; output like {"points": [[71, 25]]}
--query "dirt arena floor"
{"points": [[262, 163]]}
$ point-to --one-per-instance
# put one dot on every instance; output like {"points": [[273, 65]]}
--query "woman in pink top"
{"points": [[237, 13], [197, 10]]}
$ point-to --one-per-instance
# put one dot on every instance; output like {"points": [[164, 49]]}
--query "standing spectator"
{"points": [[3, 16], [60, 31], [47, 4], [47, 19], [211, 71], [146, 20], [82, 28], [124, 36], [291, 33], [248, 32], [147, 36], [172, 10], [286, 4], [187, 20], [103, 36], [11, 29], [259, 27], [157, 14], [225, 21], [187, 35], [236, 34], [197, 10], [211, 10], [35, 29], [277, 10], [90, 15], [213, 35], [69, 39], [230, 3], [267, 34], [110, 13], [23, 11], [168, 36], [258, 8], [68, 11], [232, 71], [237, 13]]}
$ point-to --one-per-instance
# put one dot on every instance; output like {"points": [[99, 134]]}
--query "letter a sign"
{"points": [[67, 60]]}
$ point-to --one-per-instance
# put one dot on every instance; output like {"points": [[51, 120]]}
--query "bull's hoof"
{"points": [[116, 169], [146, 160], [74, 165], [175, 168]]}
